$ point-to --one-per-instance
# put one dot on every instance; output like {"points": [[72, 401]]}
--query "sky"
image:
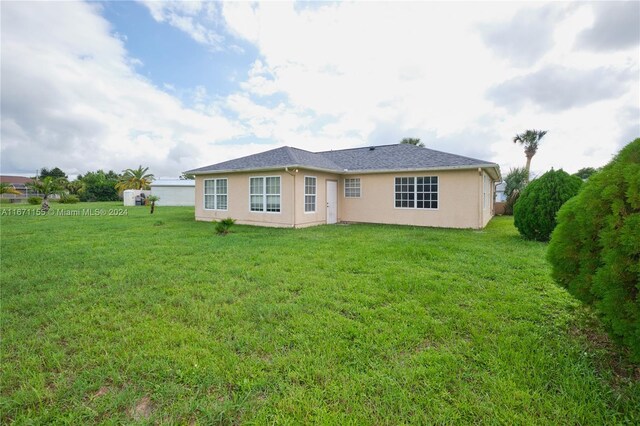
{"points": [[179, 85]]}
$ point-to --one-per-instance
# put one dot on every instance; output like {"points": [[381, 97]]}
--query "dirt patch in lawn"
{"points": [[143, 409]]}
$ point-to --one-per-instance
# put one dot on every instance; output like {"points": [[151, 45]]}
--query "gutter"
{"points": [[352, 172]]}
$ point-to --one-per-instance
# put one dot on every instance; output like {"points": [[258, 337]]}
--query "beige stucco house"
{"points": [[395, 184]]}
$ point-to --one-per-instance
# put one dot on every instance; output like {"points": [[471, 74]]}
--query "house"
{"points": [[174, 192], [394, 184], [19, 183]]}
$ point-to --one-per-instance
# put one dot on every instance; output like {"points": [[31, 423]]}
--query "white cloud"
{"points": [[196, 18], [331, 76], [384, 70], [90, 109]]}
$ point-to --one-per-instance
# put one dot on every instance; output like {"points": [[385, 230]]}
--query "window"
{"points": [[215, 194], [264, 194], [352, 188], [485, 198], [417, 192], [309, 194]]}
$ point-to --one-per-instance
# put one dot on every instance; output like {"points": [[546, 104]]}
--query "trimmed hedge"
{"points": [[535, 211], [34, 200], [595, 249]]}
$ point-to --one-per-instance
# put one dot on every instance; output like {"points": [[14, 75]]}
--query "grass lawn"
{"points": [[154, 319]]}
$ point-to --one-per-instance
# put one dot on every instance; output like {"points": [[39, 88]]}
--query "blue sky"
{"points": [[178, 85], [171, 58]]}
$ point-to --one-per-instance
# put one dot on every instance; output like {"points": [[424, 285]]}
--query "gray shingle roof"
{"points": [[275, 158], [395, 157], [398, 157]]}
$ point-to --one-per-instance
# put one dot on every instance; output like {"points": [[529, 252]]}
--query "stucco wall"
{"points": [[459, 206], [320, 215], [238, 200]]}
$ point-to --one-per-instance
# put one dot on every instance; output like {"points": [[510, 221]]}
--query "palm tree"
{"points": [[47, 186], [76, 187], [7, 188], [530, 140], [412, 141], [135, 179], [152, 199]]}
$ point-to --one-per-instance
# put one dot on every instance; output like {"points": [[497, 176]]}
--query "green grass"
{"points": [[155, 319]]}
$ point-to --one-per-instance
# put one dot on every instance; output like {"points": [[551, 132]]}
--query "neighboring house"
{"points": [[19, 183], [501, 197], [395, 184], [174, 192]]}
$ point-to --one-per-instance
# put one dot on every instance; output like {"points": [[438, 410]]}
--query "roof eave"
{"points": [[488, 166]]}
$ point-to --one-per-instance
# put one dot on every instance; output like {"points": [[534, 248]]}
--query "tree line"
{"points": [[91, 186]]}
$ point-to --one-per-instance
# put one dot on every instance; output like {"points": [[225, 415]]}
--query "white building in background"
{"points": [[174, 192], [500, 195], [130, 196]]}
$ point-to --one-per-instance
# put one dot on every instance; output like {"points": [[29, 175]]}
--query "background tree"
{"points": [[515, 182], [99, 186], [412, 141], [46, 187], [135, 179], [534, 214], [530, 140], [55, 173], [585, 172], [187, 176], [7, 188], [76, 187]]}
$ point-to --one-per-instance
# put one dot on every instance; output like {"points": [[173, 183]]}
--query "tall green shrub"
{"points": [[595, 249], [536, 208], [515, 181]]}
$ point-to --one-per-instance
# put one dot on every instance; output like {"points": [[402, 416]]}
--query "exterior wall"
{"points": [[459, 205], [318, 217], [289, 216], [487, 198], [238, 200], [174, 195]]}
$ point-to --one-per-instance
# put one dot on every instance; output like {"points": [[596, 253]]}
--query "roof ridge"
{"points": [[353, 149]]}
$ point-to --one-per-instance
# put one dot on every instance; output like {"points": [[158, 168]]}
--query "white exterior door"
{"points": [[332, 201]]}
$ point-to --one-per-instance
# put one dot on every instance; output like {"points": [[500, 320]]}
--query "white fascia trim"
{"points": [[489, 167]]}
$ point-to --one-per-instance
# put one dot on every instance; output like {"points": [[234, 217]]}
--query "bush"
{"points": [[68, 199], [222, 227], [595, 250], [34, 200], [515, 182], [539, 202]]}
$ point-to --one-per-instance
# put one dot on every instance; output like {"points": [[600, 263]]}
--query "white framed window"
{"points": [[419, 192], [310, 194], [264, 194], [215, 194], [352, 188]]}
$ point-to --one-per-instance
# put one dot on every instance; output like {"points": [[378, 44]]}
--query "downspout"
{"points": [[293, 174], [480, 200]]}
